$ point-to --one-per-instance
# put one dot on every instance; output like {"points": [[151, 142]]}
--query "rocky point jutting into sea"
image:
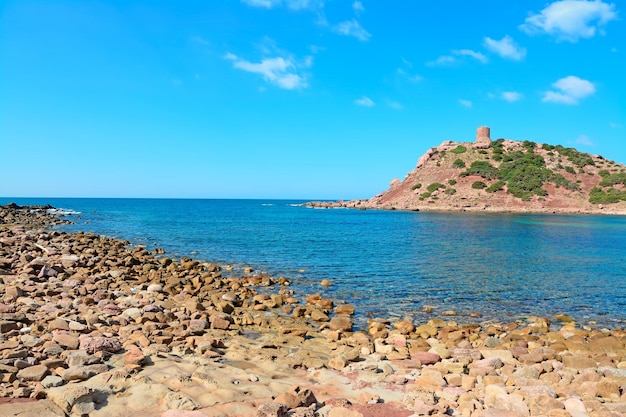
{"points": [[504, 176], [91, 326]]}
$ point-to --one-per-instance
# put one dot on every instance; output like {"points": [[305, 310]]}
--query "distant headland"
{"points": [[503, 176]]}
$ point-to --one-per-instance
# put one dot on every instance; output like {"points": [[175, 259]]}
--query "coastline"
{"points": [[478, 208], [116, 330]]}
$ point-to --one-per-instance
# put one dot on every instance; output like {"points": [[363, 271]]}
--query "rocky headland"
{"points": [[91, 326], [503, 176]]}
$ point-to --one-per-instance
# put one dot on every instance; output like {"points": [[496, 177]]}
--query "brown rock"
{"points": [[220, 321], [404, 326], [8, 326], [345, 309], [344, 412], [58, 324], [425, 358], [66, 340], [134, 356], [338, 362], [80, 373], [33, 373], [100, 344], [578, 362], [341, 323], [272, 410]]}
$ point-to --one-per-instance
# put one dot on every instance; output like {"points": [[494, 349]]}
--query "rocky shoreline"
{"points": [[475, 207], [91, 326]]}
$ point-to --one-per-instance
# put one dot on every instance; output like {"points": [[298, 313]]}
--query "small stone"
{"points": [[272, 410], [33, 373], [325, 283], [52, 381], [342, 323], [58, 324], [338, 362], [7, 326], [100, 344], [66, 340]]}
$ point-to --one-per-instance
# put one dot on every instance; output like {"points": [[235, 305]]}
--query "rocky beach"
{"points": [[92, 326]]}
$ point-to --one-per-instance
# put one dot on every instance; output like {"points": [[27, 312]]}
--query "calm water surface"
{"points": [[391, 263]]}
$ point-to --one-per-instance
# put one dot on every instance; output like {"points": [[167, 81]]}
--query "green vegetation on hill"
{"points": [[522, 171], [459, 149], [517, 169]]}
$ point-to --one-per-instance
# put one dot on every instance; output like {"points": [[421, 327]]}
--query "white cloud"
{"points": [[266, 4], [506, 48], [291, 4], [406, 62], [511, 96], [394, 105], [357, 6], [442, 60], [584, 140], [468, 52], [279, 71], [570, 20], [452, 59], [353, 28], [200, 40], [569, 90], [414, 78], [465, 103], [364, 101], [615, 125]]}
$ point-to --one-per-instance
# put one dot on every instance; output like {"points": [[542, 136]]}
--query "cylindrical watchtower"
{"points": [[483, 137]]}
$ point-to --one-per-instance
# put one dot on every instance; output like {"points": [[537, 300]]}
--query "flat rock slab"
{"points": [[41, 408]]}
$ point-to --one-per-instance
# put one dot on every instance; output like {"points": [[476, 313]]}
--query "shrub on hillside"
{"points": [[479, 185], [598, 196], [458, 163], [482, 168], [496, 186], [459, 149], [613, 179], [434, 187]]}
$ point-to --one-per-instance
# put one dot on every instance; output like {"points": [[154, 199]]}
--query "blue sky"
{"points": [[292, 98]]}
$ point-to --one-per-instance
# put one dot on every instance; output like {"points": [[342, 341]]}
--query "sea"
{"points": [[389, 264]]}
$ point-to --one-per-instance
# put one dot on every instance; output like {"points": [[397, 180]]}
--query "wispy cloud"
{"points": [[465, 103], [394, 105], [280, 71], [364, 101], [584, 140], [291, 4], [353, 28], [454, 57], [511, 96], [506, 48], [569, 90], [473, 54], [414, 78], [570, 20], [200, 40], [442, 61], [358, 8], [266, 4], [614, 125]]}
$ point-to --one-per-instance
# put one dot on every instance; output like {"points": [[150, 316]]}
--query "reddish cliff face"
{"points": [[504, 176]]}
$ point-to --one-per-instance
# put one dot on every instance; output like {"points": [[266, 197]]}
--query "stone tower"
{"points": [[483, 138]]}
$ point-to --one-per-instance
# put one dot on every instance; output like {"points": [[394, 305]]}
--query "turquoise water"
{"points": [[391, 263]]}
